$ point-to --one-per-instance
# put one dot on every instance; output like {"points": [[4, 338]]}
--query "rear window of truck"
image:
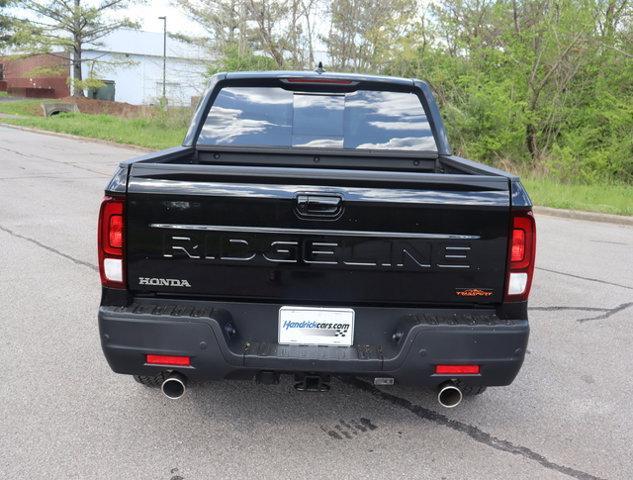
{"points": [[275, 117]]}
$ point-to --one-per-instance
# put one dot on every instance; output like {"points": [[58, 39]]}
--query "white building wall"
{"points": [[138, 78]]}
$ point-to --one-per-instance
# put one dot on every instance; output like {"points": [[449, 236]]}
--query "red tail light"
{"points": [[518, 245], [115, 235], [521, 256], [110, 242]]}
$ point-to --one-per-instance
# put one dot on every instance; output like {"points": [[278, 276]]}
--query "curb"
{"points": [[77, 137], [587, 216]]}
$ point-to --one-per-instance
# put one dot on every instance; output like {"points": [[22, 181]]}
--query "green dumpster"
{"points": [[106, 92]]}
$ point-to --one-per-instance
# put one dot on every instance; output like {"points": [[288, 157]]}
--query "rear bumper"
{"points": [[238, 340]]}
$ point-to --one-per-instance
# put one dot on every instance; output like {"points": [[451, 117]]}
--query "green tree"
{"points": [[364, 34], [242, 31], [71, 24], [232, 60], [543, 86], [7, 25]]}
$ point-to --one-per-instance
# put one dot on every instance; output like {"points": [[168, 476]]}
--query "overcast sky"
{"points": [[148, 15]]}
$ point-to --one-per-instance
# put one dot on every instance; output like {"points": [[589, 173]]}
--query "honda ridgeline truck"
{"points": [[315, 224]]}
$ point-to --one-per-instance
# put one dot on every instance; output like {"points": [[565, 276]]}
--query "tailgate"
{"points": [[299, 235]]}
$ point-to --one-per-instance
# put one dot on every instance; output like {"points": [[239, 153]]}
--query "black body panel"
{"points": [[414, 240], [237, 340]]}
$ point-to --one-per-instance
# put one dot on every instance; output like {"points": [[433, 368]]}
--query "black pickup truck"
{"points": [[315, 224]]}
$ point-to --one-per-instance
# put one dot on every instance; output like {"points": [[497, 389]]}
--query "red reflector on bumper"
{"points": [[457, 369], [168, 360]]}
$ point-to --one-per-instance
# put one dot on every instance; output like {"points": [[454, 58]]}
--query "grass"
{"points": [[22, 107], [155, 131], [600, 197], [164, 130], [132, 131]]}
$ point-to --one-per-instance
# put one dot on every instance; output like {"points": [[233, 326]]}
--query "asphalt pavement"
{"points": [[65, 415]]}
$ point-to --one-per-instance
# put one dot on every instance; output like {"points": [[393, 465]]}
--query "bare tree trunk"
{"points": [[294, 41], [78, 91], [515, 16], [530, 140], [242, 19], [77, 51], [261, 16], [307, 13]]}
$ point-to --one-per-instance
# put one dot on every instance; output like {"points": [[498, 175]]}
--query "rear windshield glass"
{"points": [[274, 117]]}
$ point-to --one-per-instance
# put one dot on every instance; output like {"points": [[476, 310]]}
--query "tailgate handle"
{"points": [[324, 206]]}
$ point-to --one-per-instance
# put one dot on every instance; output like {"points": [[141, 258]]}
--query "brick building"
{"points": [[35, 76]]}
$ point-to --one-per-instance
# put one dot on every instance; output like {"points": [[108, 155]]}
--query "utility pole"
{"points": [[164, 19]]}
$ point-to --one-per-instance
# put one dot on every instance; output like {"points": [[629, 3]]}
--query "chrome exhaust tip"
{"points": [[174, 386], [449, 395]]}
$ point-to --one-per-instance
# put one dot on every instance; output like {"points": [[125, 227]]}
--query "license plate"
{"points": [[316, 326]]}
